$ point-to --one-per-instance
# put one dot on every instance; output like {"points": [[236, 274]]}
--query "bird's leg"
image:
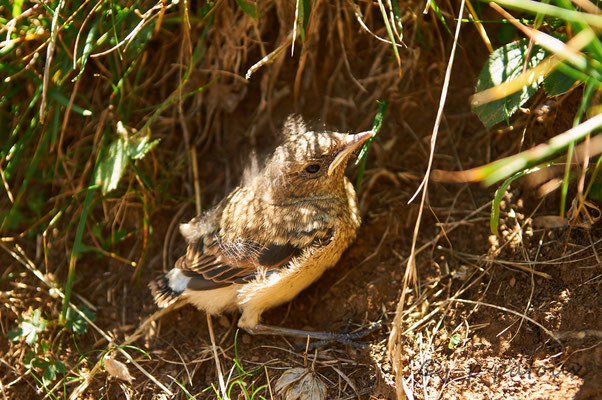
{"points": [[324, 337]]}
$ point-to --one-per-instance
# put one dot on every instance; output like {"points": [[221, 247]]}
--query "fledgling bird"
{"points": [[273, 235]]}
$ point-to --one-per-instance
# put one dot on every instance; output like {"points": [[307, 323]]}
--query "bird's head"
{"points": [[310, 164]]}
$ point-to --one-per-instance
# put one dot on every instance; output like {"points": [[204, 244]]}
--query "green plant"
{"points": [[560, 53], [454, 341], [29, 327], [41, 355], [362, 158], [249, 391], [60, 141]]}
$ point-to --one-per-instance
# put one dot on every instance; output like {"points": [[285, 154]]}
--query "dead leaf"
{"points": [[117, 369], [300, 384]]}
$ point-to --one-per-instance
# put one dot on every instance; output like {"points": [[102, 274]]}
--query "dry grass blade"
{"points": [[409, 278], [526, 267], [360, 20], [588, 6], [348, 380], [11, 198], [145, 19], [220, 374], [270, 57], [474, 17]]}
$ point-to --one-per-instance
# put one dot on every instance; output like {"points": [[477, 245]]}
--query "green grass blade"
{"points": [[592, 179], [248, 8], [17, 8], [390, 33], [441, 18], [76, 250], [506, 167], [494, 219], [77, 243], [536, 7], [87, 50], [63, 100], [585, 101], [362, 158]]}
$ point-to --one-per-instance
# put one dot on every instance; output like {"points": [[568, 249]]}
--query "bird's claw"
{"points": [[344, 338]]}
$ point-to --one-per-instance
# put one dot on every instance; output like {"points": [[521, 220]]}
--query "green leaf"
{"points": [[117, 236], [596, 191], [503, 65], [76, 322], [117, 156], [139, 42], [376, 125], [506, 33], [39, 363], [60, 367], [398, 18], [137, 150], [29, 328], [557, 83], [111, 168], [12, 219], [390, 33], [48, 376], [50, 373], [44, 346], [454, 341], [17, 8], [248, 8], [28, 359], [88, 47], [14, 335], [36, 201]]}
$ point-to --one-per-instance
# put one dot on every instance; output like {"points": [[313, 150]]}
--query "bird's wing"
{"points": [[212, 263]]}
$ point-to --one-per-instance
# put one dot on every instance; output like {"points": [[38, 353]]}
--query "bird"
{"points": [[273, 235]]}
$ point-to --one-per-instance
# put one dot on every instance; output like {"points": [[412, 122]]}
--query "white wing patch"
{"points": [[177, 281]]}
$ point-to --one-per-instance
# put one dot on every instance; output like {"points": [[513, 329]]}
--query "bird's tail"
{"points": [[164, 294]]}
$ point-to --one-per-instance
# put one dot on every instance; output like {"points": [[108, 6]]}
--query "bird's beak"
{"points": [[351, 143]]}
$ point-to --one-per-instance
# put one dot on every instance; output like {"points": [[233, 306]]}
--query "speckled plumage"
{"points": [[273, 235]]}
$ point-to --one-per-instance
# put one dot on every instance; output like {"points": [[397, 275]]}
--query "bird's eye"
{"points": [[312, 168]]}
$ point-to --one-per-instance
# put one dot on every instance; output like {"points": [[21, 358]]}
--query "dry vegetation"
{"points": [[512, 316]]}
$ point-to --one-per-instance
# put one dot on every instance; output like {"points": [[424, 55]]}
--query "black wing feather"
{"points": [[215, 264]]}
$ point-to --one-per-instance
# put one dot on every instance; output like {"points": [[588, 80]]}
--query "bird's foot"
{"points": [[324, 338]]}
